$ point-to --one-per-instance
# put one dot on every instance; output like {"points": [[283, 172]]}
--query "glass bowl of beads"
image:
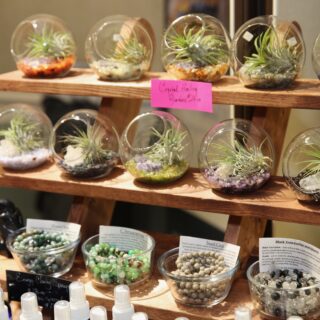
{"points": [[268, 52], [119, 260], [85, 144], [119, 48], [196, 47], [43, 46], [301, 165], [199, 279], [280, 294], [156, 147], [24, 137], [42, 252], [236, 156]]}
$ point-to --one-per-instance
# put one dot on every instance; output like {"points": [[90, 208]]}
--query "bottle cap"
{"points": [[98, 313], [79, 306], [139, 316], [242, 313], [3, 308], [122, 309], [29, 307], [62, 310]]}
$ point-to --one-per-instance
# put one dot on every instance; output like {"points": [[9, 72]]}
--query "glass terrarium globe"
{"points": [[85, 144], [42, 46], [301, 165], [196, 47], [268, 52], [156, 147], [316, 56], [119, 48], [236, 156], [24, 136]]}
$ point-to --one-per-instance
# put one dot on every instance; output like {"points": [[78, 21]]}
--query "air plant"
{"points": [[90, 142], [243, 159], [23, 133], [312, 165], [130, 51], [50, 44], [272, 56], [194, 45]]}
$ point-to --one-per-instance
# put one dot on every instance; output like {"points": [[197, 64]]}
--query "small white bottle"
{"points": [[79, 306], [139, 316], [98, 313], [242, 313], [4, 315], [122, 309], [62, 310], [29, 307]]}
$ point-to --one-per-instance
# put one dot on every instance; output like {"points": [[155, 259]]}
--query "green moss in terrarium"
{"points": [[164, 162], [195, 50], [274, 65], [86, 154]]}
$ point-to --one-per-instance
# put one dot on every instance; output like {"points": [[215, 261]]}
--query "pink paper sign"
{"points": [[178, 94]]}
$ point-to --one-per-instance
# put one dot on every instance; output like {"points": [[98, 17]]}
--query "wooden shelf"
{"points": [[304, 94], [154, 298], [190, 192]]}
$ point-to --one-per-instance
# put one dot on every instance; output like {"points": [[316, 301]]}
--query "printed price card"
{"points": [[178, 94]]}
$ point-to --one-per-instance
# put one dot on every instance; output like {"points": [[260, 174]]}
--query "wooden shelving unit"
{"points": [[94, 199]]}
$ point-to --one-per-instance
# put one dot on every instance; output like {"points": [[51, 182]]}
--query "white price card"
{"points": [[283, 253], [229, 251], [72, 230], [124, 238]]}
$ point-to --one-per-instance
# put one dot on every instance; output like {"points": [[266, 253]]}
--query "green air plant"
{"points": [[245, 160], [168, 150], [23, 133], [130, 51], [272, 56], [50, 44], [196, 46], [91, 143], [312, 165]]}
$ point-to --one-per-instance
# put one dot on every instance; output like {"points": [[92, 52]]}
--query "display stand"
{"points": [[95, 198]]}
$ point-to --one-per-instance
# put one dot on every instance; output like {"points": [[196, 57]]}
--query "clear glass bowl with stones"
{"points": [[301, 165], [268, 53], [119, 48], [85, 144], [288, 300], [24, 137], [196, 47], [236, 156], [156, 148], [42, 252], [119, 261], [43, 47], [196, 290]]}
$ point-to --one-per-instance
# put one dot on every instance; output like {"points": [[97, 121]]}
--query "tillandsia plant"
{"points": [[22, 144], [86, 155], [238, 167], [165, 161], [196, 54], [49, 53], [274, 65]]}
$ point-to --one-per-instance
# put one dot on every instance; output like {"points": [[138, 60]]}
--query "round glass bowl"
{"points": [[279, 303], [236, 156], [316, 56], [43, 46], [42, 252], [85, 144], [119, 261], [24, 137], [196, 47], [301, 165], [155, 148], [268, 52], [195, 291], [119, 48]]}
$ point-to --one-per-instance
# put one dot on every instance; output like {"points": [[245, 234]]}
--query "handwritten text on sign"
{"points": [[177, 94]]}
